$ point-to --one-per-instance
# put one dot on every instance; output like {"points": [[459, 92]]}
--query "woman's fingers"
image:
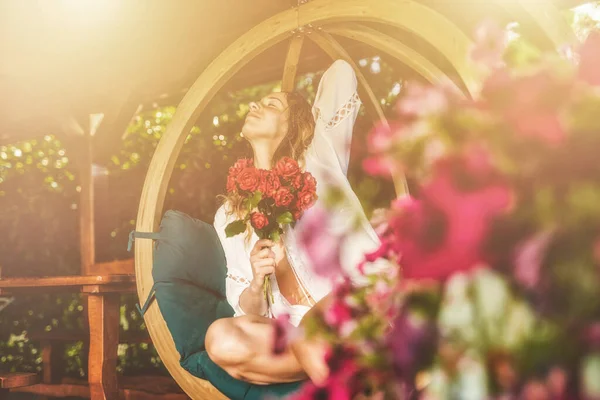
{"points": [[260, 244], [266, 271], [265, 262]]}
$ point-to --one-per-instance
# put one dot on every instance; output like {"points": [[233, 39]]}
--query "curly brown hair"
{"points": [[301, 129]]}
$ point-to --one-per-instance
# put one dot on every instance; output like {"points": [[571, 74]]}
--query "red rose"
{"points": [[306, 198], [283, 197], [269, 183], [310, 183], [297, 214], [239, 166], [248, 179], [287, 168], [258, 220], [297, 182], [231, 187]]}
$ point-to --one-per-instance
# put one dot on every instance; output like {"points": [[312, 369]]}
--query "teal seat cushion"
{"points": [[189, 272]]}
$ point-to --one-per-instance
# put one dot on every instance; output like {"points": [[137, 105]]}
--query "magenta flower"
{"points": [[341, 384], [590, 59], [443, 232], [320, 244]]}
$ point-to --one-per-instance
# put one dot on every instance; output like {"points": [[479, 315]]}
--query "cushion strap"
{"points": [[148, 301], [141, 235]]}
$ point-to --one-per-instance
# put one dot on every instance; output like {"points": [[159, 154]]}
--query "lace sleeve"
{"points": [[336, 107]]}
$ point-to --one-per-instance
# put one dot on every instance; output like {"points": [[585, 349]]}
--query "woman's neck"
{"points": [[263, 156]]}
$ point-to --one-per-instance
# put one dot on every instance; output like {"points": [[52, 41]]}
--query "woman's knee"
{"points": [[225, 342]]}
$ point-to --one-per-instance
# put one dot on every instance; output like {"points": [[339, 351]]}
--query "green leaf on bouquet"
{"points": [[285, 218], [235, 228], [254, 200], [275, 235]]}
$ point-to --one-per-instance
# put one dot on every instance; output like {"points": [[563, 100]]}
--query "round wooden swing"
{"points": [[318, 21]]}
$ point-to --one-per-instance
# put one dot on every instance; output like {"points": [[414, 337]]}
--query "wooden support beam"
{"points": [[290, 70], [546, 15], [103, 312], [389, 45], [87, 246], [413, 16], [334, 50]]}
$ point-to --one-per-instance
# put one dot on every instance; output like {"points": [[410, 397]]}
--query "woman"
{"points": [[283, 124]]}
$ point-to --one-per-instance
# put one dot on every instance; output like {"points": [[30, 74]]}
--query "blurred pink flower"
{"points": [[531, 104], [535, 390], [442, 233], [379, 298], [591, 335], [382, 136], [490, 44], [380, 165], [341, 384], [556, 382], [529, 256], [590, 59], [320, 244], [422, 100], [338, 313], [284, 333]]}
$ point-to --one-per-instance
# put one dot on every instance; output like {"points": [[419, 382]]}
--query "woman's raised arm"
{"points": [[336, 107]]}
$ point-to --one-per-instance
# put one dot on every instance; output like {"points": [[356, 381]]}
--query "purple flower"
{"points": [[529, 256], [407, 339]]}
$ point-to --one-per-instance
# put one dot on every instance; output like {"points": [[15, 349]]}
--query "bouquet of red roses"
{"points": [[270, 198]]}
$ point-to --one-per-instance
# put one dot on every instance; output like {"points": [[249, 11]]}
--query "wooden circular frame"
{"points": [[344, 18]]}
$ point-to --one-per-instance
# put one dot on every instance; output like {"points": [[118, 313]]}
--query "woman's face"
{"points": [[267, 119]]}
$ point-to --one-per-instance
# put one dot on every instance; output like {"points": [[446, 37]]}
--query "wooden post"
{"points": [[103, 310], [86, 205]]}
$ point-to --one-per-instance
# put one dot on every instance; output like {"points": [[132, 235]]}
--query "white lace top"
{"points": [[335, 109]]}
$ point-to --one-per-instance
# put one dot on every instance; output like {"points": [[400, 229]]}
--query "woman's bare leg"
{"points": [[242, 346]]}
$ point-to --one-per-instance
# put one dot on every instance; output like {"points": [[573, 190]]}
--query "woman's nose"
{"points": [[253, 106]]}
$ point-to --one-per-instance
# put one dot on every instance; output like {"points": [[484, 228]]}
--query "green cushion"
{"points": [[189, 285]]}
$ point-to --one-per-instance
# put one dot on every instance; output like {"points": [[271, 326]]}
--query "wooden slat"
{"points": [[84, 336], [18, 379], [391, 46], [87, 243], [550, 20], [117, 267], [64, 281], [288, 83], [143, 391]]}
